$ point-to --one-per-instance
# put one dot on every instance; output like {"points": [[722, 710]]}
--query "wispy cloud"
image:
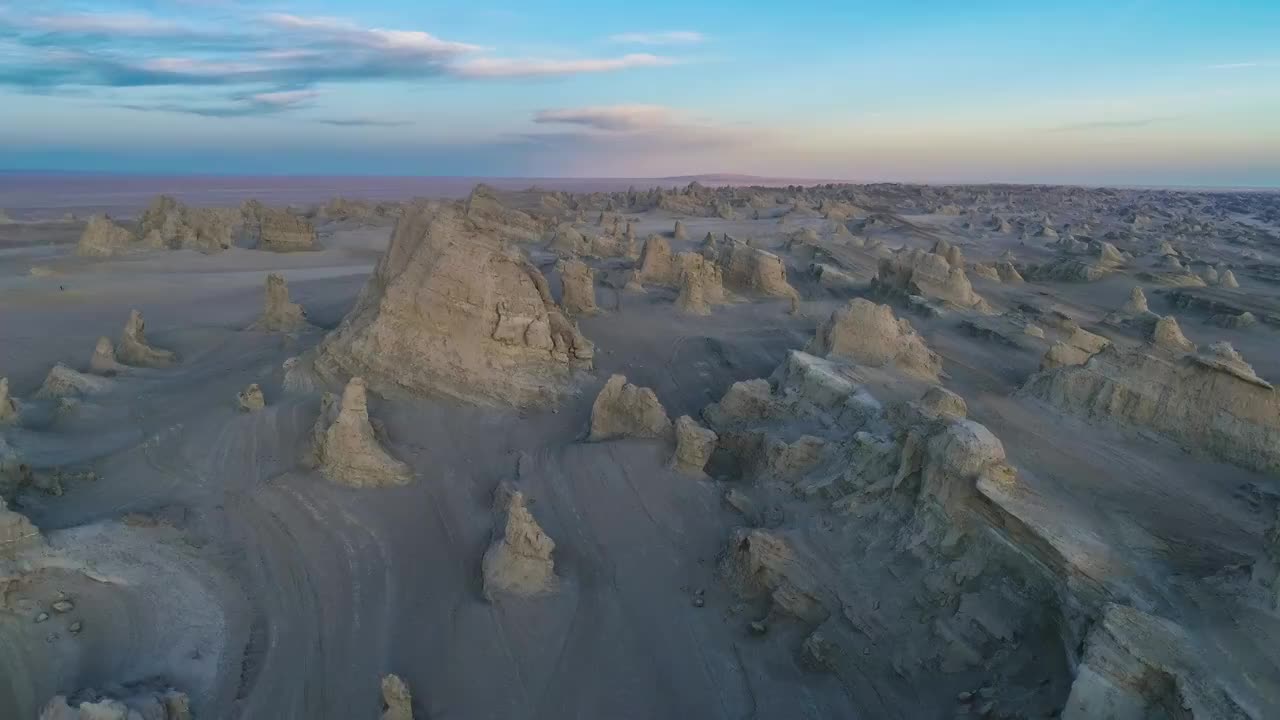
{"points": [[363, 122], [275, 50], [1244, 65], [668, 37], [1110, 124], [612, 117], [534, 67]]}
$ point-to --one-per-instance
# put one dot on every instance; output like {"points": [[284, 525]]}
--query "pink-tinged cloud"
{"points": [[668, 37], [533, 67], [610, 117], [284, 98]]}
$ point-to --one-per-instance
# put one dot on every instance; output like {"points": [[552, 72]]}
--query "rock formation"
{"points": [[103, 238], [278, 313], [694, 445], [624, 410], [169, 224], [1209, 402], [1228, 280], [750, 269], [913, 272], [141, 705], [347, 451], [251, 399], [679, 232], [519, 560], [657, 264], [700, 284], [8, 406], [568, 241], [396, 701], [869, 334], [497, 221], [578, 288], [17, 534], [63, 382], [1137, 303], [277, 229], [134, 350], [447, 310], [1167, 335], [103, 361]]}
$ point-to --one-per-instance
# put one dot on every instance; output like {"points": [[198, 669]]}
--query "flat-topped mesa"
{"points": [[578, 288], [519, 561], [751, 269], [623, 410], [277, 229], [448, 310], [102, 237], [657, 263], [1212, 401], [134, 350], [103, 361], [397, 702], [278, 313], [169, 224], [347, 450], [500, 222], [8, 406], [915, 272], [869, 334]]}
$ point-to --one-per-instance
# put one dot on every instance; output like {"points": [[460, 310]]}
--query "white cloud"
{"points": [[409, 42], [533, 67], [669, 37], [105, 24], [610, 117], [284, 98]]}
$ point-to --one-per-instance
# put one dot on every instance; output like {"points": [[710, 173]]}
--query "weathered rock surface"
{"points": [[278, 229], [578, 288], [251, 399], [1208, 405], [134, 350], [869, 334], [623, 410], [519, 561], [489, 215], [447, 310], [347, 450], [751, 269], [397, 702], [63, 382], [103, 238], [694, 445], [929, 275], [103, 361], [278, 313], [142, 705], [657, 263], [169, 224], [8, 406]]}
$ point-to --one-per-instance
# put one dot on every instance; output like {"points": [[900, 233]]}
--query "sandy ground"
{"points": [[266, 592]]}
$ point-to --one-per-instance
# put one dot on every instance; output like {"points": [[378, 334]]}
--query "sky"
{"points": [[1137, 92]]}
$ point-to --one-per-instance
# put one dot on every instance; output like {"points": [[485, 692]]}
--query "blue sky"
{"points": [[1155, 92]]}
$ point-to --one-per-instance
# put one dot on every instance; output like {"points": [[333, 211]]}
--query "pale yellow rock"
{"points": [[103, 361], [1137, 303], [134, 350], [623, 410], [104, 238], [396, 700], [278, 229], [519, 561], [348, 452], [251, 399], [657, 264], [1167, 335], [578, 288], [448, 310], [278, 313], [913, 272], [869, 334], [8, 406], [63, 382], [679, 232], [694, 445]]}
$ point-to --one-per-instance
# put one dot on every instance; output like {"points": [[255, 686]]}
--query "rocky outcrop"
{"points": [[569, 242], [169, 224], [15, 474], [17, 534], [578, 288], [277, 229], [657, 264], [103, 238], [251, 399], [1167, 335], [1228, 280], [487, 213], [750, 269], [397, 703], [347, 451], [701, 284], [694, 445], [1137, 303], [623, 410], [448, 310], [1213, 402], [144, 704], [519, 560], [63, 382], [134, 350], [8, 406], [103, 361], [929, 275], [679, 233], [278, 313], [869, 334]]}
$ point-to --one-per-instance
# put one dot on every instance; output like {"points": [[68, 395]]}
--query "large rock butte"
{"points": [[449, 310], [869, 334]]}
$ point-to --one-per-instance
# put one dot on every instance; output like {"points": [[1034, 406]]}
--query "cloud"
{"points": [[669, 37], [85, 50], [364, 122], [238, 105], [1109, 124], [612, 118], [532, 67], [284, 98]]}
